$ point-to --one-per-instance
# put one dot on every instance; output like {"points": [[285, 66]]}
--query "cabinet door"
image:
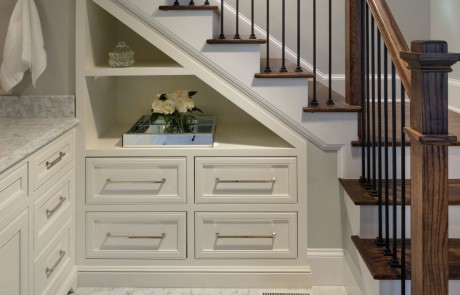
{"points": [[14, 257]]}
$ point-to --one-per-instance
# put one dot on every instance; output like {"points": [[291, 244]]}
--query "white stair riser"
{"points": [[369, 221], [354, 167]]}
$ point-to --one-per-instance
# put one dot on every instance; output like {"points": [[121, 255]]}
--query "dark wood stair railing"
{"points": [[423, 72]]}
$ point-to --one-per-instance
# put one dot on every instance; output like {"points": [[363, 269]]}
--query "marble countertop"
{"points": [[19, 138]]}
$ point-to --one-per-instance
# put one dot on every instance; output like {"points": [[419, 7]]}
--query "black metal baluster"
{"points": [[222, 36], [368, 143], [362, 179], [386, 250], [379, 240], [237, 35], [314, 101], [253, 35], [176, 3], [373, 191], [403, 191], [298, 68], [394, 260], [191, 3], [283, 37], [267, 66], [206, 2], [329, 100]]}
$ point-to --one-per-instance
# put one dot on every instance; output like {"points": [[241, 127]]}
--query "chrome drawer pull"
{"points": [[272, 236], [50, 213], [163, 180], [163, 235], [50, 165], [273, 180], [49, 271]]}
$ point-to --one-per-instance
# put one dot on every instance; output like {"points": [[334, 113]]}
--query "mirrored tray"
{"points": [[147, 134]]}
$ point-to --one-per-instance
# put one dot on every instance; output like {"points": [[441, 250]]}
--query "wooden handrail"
{"points": [[392, 37]]}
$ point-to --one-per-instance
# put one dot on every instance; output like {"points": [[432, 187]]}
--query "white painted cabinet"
{"points": [[37, 237], [180, 216]]}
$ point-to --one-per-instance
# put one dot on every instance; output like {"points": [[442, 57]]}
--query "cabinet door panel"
{"points": [[136, 235], [48, 161], [248, 180], [135, 180], [14, 256], [245, 235], [13, 188]]}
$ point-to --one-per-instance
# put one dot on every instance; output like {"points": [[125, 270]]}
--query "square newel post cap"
{"points": [[430, 56]]}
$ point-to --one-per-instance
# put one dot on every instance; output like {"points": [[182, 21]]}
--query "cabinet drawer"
{"points": [[136, 235], [245, 235], [245, 180], [13, 188], [135, 180], [49, 160], [54, 261], [51, 207]]}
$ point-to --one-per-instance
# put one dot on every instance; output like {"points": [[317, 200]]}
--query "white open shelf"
{"points": [[140, 68]]}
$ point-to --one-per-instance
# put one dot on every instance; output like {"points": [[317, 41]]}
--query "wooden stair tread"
{"points": [[231, 40], [322, 94], [453, 120], [188, 7], [360, 195], [275, 66], [379, 265]]}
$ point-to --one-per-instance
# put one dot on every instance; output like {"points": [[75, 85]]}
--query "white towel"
{"points": [[24, 48]]}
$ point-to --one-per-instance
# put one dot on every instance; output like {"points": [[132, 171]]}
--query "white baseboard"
{"points": [[209, 277], [327, 265]]}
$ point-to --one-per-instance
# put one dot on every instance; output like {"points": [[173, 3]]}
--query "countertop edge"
{"points": [[37, 143]]}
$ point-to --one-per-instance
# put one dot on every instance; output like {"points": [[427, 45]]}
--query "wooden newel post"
{"points": [[430, 64], [353, 51]]}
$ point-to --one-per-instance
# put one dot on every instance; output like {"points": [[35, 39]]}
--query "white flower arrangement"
{"points": [[172, 106]]}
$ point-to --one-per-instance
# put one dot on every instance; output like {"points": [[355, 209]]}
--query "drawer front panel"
{"points": [[245, 235], [51, 207], [55, 260], [135, 180], [136, 235], [246, 180], [51, 159], [13, 188]]}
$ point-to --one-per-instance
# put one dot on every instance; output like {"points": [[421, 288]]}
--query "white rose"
{"points": [[171, 95], [157, 106], [189, 103], [182, 93], [169, 106], [181, 104]]}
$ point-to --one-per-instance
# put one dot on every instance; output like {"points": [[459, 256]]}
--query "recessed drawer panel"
{"points": [[245, 235], [135, 180], [51, 207], [54, 261], [136, 235], [51, 159], [246, 180], [13, 188]]}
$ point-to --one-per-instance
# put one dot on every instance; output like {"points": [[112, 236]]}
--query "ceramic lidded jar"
{"points": [[121, 56]]}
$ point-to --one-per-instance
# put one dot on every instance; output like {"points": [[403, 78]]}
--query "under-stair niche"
{"points": [[230, 215]]}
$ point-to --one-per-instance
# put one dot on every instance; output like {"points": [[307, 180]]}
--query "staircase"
{"points": [[242, 63]]}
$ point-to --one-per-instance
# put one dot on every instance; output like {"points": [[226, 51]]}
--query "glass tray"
{"points": [[147, 134]]}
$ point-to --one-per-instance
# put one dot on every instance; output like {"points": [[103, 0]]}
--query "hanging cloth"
{"points": [[24, 46]]}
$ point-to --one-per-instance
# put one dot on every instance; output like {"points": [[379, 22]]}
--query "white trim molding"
{"points": [[454, 95]]}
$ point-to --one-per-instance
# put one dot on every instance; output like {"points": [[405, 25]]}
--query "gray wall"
{"points": [[58, 25], [445, 24]]}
